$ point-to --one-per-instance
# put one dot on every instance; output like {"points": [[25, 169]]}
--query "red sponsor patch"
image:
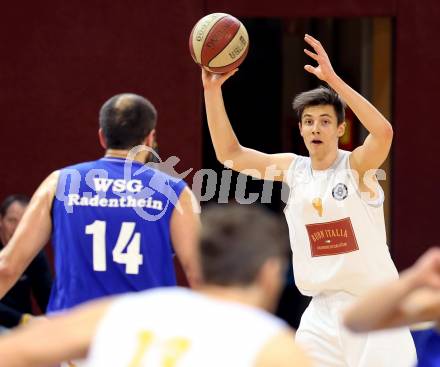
{"points": [[332, 238]]}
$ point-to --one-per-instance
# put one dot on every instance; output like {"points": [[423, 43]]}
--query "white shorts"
{"points": [[323, 336]]}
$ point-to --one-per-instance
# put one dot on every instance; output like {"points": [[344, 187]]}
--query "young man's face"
{"points": [[319, 129], [9, 222]]}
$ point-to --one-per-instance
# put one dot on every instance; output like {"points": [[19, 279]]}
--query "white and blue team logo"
{"points": [[340, 191]]}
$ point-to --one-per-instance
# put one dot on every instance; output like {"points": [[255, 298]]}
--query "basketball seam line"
{"points": [[226, 45], [201, 49]]}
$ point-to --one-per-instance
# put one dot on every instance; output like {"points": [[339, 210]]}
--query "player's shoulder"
{"points": [[282, 351], [166, 182], [299, 159], [81, 166], [300, 164], [171, 179]]}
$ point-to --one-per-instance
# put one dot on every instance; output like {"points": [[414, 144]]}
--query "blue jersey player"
{"points": [[115, 223]]}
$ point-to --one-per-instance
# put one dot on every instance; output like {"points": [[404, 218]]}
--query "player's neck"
{"points": [[121, 153], [251, 296], [325, 161]]}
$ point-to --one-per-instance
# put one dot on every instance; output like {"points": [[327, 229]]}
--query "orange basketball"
{"points": [[219, 42]]}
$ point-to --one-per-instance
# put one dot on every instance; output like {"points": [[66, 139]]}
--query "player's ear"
{"points": [[269, 274], [102, 138], [150, 139], [341, 128], [270, 280]]}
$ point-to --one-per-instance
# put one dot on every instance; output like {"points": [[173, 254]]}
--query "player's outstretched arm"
{"points": [[32, 233], [52, 340], [282, 351], [227, 147], [415, 297], [185, 230], [373, 152]]}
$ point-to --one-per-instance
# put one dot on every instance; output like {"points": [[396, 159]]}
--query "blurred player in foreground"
{"points": [[415, 297], [243, 258]]}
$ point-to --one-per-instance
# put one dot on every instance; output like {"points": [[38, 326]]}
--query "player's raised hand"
{"points": [[324, 69], [211, 80]]}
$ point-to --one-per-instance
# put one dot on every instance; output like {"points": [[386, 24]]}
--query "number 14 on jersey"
{"points": [[127, 240]]}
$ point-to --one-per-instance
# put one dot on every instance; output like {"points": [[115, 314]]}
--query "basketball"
{"points": [[219, 43]]}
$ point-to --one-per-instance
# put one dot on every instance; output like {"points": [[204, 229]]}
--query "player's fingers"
{"points": [[312, 40], [311, 54], [209, 77], [309, 68], [314, 43], [229, 74], [308, 36]]}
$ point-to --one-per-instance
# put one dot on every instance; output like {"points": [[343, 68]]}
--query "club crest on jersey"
{"points": [[340, 191]]}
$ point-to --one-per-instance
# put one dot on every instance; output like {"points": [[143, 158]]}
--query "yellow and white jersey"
{"points": [[337, 234], [175, 327]]}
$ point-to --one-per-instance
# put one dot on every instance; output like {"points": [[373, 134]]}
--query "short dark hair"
{"points": [[237, 240], [11, 199], [126, 120], [319, 97]]}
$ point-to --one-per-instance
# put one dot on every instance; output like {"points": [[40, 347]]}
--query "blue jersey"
{"points": [[111, 230], [429, 350]]}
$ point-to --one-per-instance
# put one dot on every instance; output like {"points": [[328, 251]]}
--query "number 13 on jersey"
{"points": [[127, 240]]}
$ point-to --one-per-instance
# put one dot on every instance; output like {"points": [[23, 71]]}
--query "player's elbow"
{"points": [[191, 269], [7, 270], [388, 133], [227, 156], [352, 323], [223, 159], [356, 321]]}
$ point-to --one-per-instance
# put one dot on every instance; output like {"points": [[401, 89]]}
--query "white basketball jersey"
{"points": [[179, 328], [337, 235]]}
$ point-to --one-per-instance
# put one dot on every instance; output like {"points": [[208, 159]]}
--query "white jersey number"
{"points": [[127, 239]]}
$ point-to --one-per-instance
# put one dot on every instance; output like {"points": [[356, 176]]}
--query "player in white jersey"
{"points": [[335, 220], [225, 323]]}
